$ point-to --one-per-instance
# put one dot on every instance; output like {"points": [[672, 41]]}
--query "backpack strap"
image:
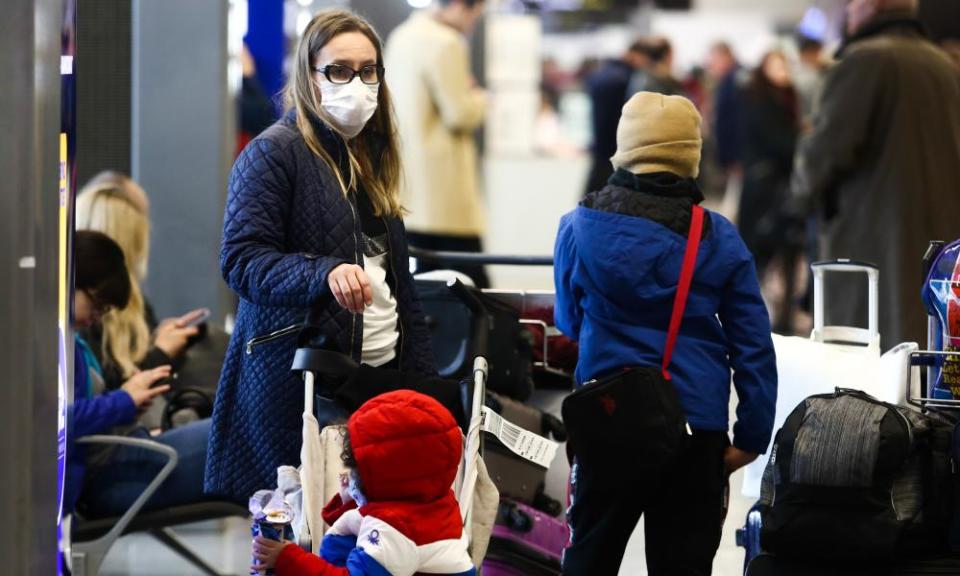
{"points": [[683, 288]]}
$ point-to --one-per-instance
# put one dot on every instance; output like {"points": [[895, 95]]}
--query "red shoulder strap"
{"points": [[683, 287]]}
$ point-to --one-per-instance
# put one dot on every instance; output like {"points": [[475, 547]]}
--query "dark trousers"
{"points": [[112, 487], [441, 243], [685, 507]]}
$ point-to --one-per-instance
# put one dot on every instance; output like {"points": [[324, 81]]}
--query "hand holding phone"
{"points": [[194, 318], [144, 386], [174, 335]]}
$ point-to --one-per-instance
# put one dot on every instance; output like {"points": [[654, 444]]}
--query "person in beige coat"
{"points": [[439, 108]]}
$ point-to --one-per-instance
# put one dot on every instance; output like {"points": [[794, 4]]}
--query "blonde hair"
{"points": [[114, 204], [374, 154]]}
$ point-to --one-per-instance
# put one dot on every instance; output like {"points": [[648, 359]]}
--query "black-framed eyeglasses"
{"points": [[342, 74], [100, 308]]}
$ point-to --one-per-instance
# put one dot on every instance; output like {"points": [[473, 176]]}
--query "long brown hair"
{"points": [[762, 88], [374, 153]]}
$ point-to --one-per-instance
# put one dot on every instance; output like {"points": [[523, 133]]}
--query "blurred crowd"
{"points": [[755, 114], [753, 117]]}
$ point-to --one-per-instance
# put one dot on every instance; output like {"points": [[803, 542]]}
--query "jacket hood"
{"points": [[631, 254], [626, 257], [407, 447]]}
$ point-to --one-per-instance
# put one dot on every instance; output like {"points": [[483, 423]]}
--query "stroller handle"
{"points": [[448, 258]]}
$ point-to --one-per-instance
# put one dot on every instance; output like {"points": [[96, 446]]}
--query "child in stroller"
{"points": [[397, 515]]}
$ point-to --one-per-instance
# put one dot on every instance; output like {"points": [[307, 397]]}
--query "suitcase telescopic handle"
{"points": [[846, 334]]}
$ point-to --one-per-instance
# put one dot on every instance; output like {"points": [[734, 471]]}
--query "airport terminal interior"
{"points": [[500, 287]]}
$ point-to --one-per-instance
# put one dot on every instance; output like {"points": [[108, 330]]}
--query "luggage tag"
{"points": [[522, 442]]}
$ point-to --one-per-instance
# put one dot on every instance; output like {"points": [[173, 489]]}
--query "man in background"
{"points": [[658, 76], [725, 130], [439, 108], [607, 87], [809, 74], [882, 163]]}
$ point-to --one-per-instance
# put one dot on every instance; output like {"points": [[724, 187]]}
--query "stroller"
{"points": [[318, 479]]}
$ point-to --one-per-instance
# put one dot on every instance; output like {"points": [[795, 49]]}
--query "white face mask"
{"points": [[349, 106]]}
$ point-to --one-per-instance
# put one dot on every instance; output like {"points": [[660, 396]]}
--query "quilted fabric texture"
{"points": [[286, 226], [664, 198]]}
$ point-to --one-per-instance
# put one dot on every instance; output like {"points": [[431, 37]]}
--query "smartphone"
{"points": [[195, 317]]}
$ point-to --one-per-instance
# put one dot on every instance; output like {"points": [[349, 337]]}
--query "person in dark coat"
{"points": [[771, 125], [882, 165], [608, 90], [658, 75], [725, 71], [313, 226]]}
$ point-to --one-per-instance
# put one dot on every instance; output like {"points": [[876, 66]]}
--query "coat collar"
{"points": [[658, 184], [895, 21]]}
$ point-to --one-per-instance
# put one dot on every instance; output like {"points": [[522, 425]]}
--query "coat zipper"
{"points": [[359, 261], [396, 285]]}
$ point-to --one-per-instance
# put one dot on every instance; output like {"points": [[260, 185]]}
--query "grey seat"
{"points": [[91, 540]]}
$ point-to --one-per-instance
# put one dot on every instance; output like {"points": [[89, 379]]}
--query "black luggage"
{"points": [[851, 478], [769, 565], [452, 327], [515, 477]]}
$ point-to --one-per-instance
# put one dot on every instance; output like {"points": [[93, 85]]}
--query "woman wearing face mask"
{"points": [[313, 225]]}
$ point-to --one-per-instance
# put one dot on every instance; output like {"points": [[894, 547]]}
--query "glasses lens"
{"points": [[369, 75], [339, 74], [97, 305]]}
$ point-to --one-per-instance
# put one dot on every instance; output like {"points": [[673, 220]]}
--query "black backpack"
{"points": [[507, 346], [853, 478]]}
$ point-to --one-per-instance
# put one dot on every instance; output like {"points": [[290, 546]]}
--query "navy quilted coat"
{"points": [[286, 226]]}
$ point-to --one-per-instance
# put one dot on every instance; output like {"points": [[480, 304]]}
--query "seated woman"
{"points": [[131, 338], [105, 480]]}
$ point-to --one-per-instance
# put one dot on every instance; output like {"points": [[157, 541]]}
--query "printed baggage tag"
{"points": [[521, 442]]}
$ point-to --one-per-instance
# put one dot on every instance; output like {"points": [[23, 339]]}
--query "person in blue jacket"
{"points": [[617, 262], [313, 225], [102, 480]]}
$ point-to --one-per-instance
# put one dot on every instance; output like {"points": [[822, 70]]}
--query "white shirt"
{"points": [[380, 319]]}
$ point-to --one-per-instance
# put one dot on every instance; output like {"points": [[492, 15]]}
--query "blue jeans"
{"points": [[111, 488]]}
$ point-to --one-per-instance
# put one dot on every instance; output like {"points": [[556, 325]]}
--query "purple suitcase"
{"points": [[525, 542]]}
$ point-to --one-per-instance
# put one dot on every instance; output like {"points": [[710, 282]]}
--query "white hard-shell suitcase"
{"points": [[834, 357]]}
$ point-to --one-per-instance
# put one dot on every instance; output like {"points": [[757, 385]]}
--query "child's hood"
{"points": [[407, 447]]}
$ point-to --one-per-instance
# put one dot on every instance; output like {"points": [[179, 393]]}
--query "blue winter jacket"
{"points": [[89, 414], [617, 263], [286, 226]]}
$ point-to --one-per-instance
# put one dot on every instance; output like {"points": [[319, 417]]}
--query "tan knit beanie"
{"points": [[659, 133]]}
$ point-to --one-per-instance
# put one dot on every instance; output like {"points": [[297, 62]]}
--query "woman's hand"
{"points": [[172, 336], [141, 386], [351, 287], [266, 552]]}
